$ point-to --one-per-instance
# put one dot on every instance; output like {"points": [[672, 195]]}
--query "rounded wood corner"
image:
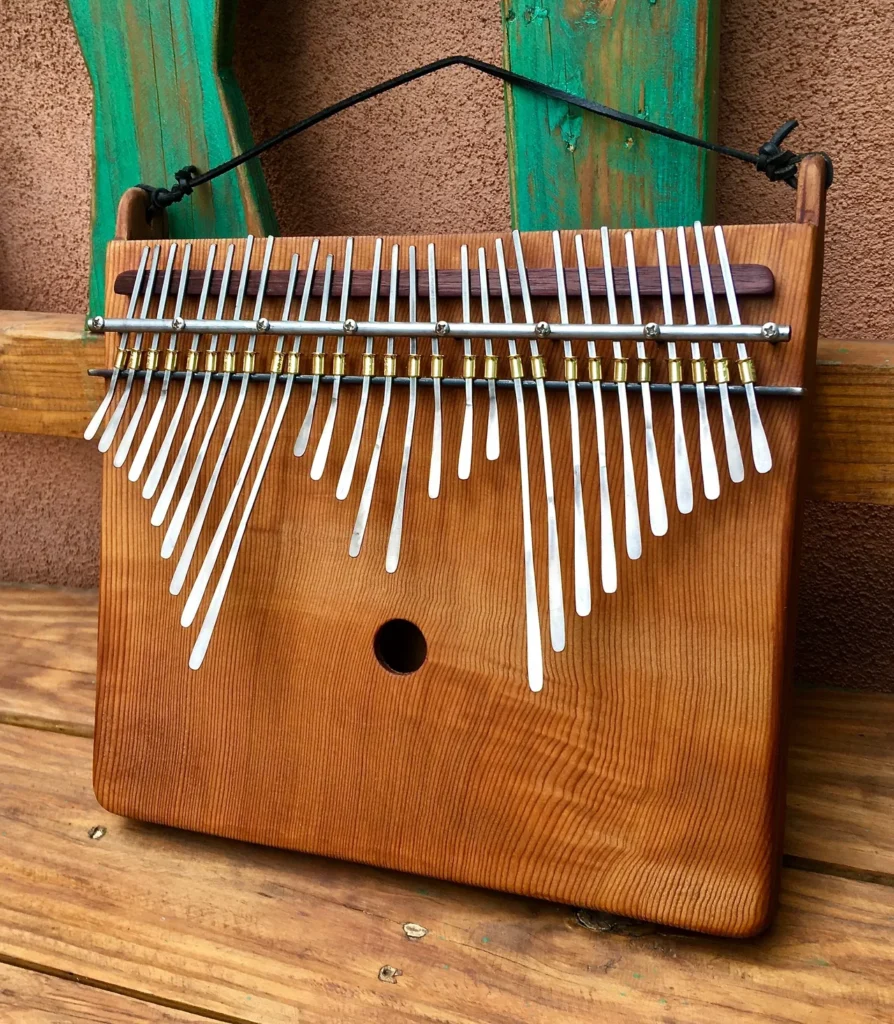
{"points": [[132, 222]]}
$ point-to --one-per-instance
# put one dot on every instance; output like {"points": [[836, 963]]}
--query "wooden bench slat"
{"points": [[266, 935]]}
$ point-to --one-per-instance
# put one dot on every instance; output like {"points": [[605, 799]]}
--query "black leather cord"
{"points": [[772, 159]]}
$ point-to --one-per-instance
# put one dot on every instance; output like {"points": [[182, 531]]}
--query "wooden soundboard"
{"points": [[645, 779]]}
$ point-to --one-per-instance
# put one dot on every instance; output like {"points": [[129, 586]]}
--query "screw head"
{"points": [[442, 328], [770, 331], [652, 330], [542, 329], [177, 324], [95, 324], [263, 325], [350, 326]]}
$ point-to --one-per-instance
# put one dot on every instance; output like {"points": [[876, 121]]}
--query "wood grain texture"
{"points": [[261, 935], [293, 734], [573, 169]]}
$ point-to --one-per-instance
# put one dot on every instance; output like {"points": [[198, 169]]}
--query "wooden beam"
{"points": [[570, 169], [165, 96]]}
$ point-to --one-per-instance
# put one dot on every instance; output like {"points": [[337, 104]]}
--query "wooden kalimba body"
{"points": [[396, 717]]}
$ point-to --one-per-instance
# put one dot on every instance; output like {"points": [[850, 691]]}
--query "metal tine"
{"points": [[154, 477], [203, 577], [464, 467], [607, 536], [760, 448], [303, 437], [534, 644], [98, 416], [392, 556], [346, 477], [370, 482], [179, 517], [655, 488], [492, 449], [167, 492], [192, 539], [710, 477], [108, 435], [124, 445], [139, 460], [730, 437], [631, 506], [323, 445], [434, 472], [554, 565], [682, 473], [200, 648], [582, 595]]}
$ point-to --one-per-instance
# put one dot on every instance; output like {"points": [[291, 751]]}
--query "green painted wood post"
{"points": [[653, 58], [165, 96]]}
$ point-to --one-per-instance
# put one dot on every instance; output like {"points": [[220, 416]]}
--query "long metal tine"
{"points": [[464, 467], [139, 460], [655, 488], [347, 470], [710, 477], [159, 513], [534, 644], [730, 437], [99, 415], [434, 472], [124, 445], [372, 471], [108, 435], [392, 556], [203, 577], [582, 595], [631, 505], [301, 441], [554, 565], [760, 448], [322, 452], [192, 539], [492, 449], [607, 536], [192, 361], [177, 520]]}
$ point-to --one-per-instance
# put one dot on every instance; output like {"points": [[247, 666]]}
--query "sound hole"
{"points": [[400, 646]]}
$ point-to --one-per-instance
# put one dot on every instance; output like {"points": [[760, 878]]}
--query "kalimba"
{"points": [[466, 555]]}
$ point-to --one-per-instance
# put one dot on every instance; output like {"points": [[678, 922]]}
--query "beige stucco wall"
{"points": [[433, 157]]}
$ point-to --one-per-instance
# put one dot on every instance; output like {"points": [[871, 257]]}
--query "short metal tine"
{"points": [[554, 565], [631, 505], [323, 445], [492, 449], [710, 476], [192, 362], [607, 536], [120, 362], [434, 473], [370, 482], [108, 435], [301, 441], [397, 520], [655, 488], [159, 513], [126, 442], [464, 467], [682, 473], [350, 464], [731, 438], [192, 539], [582, 595], [139, 460], [534, 644], [200, 648], [760, 448], [179, 517]]}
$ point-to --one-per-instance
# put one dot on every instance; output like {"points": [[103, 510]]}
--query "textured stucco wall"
{"points": [[433, 157]]}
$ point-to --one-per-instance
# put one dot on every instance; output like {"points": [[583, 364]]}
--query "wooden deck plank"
{"points": [[29, 997], [263, 935]]}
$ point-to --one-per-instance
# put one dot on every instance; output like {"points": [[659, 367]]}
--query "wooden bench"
{"points": [[113, 920]]}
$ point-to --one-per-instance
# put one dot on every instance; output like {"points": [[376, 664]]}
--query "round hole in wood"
{"points": [[400, 646]]}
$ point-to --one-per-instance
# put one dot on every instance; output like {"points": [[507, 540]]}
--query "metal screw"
{"points": [[350, 326], [178, 323], [770, 331], [97, 832], [542, 329], [415, 931], [442, 328], [95, 324], [652, 330], [263, 325], [389, 974]]}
